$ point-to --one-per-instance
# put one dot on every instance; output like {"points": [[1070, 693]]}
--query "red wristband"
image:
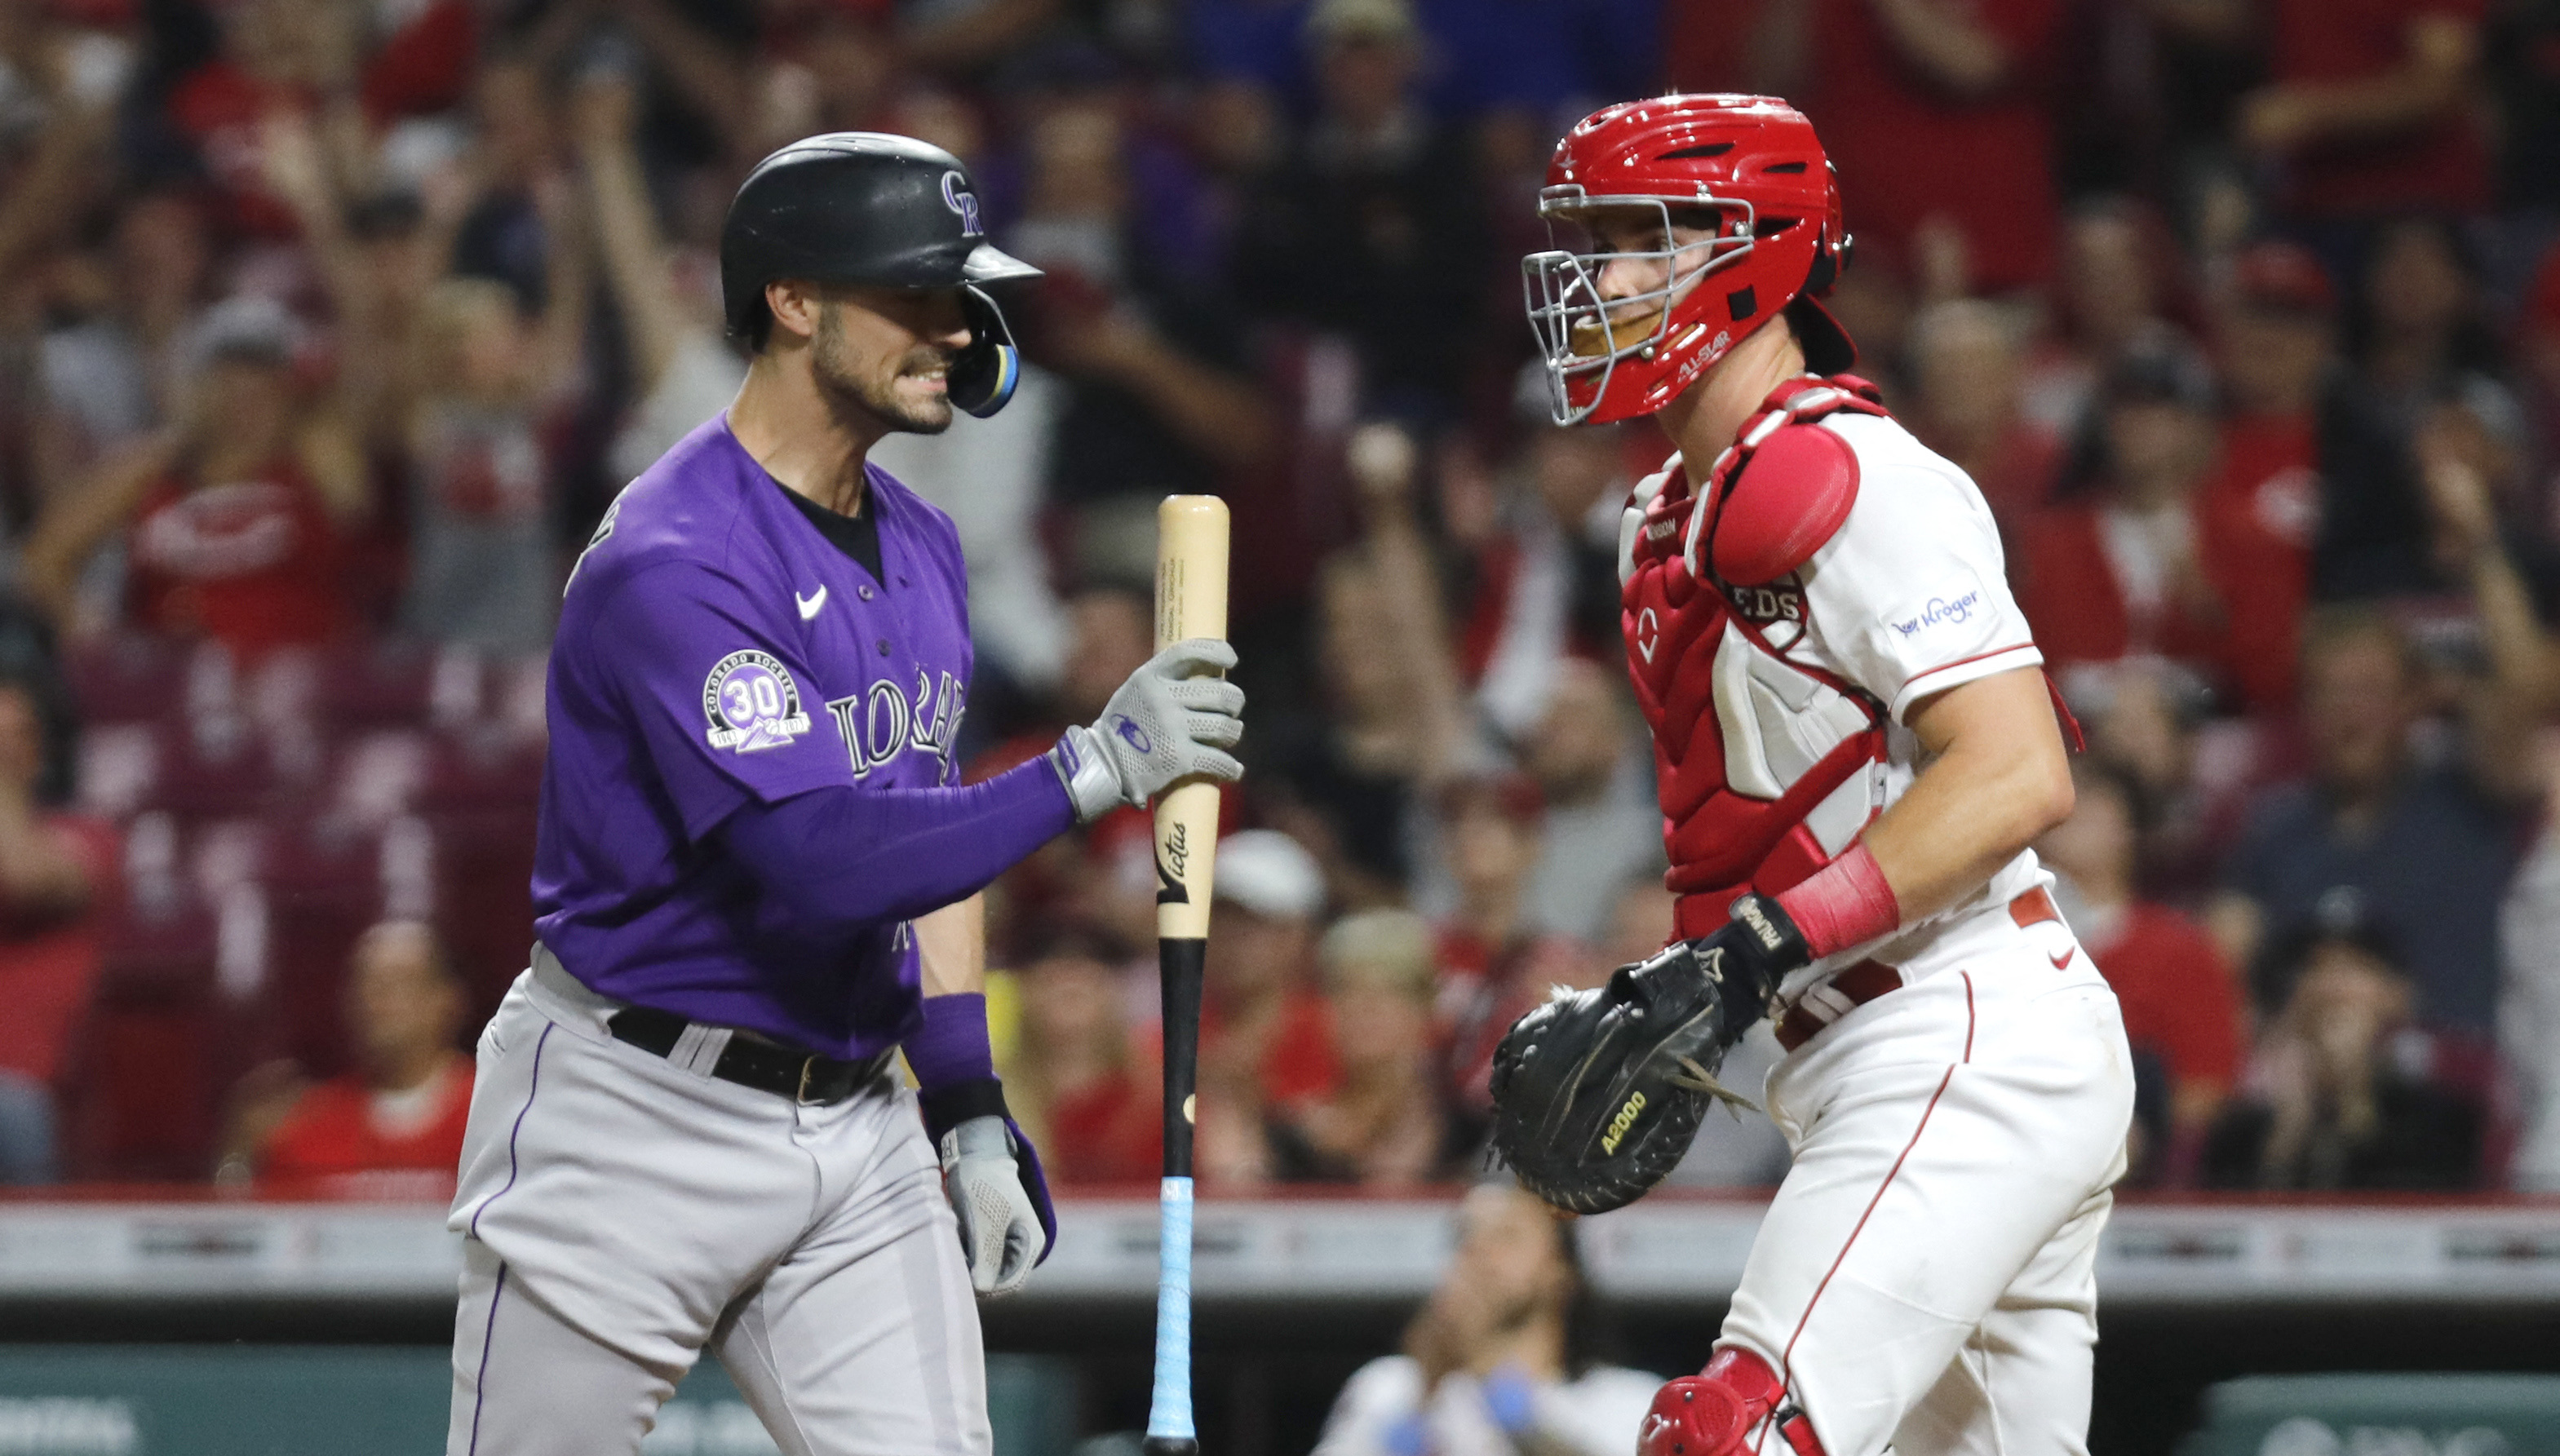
{"points": [[1847, 903]]}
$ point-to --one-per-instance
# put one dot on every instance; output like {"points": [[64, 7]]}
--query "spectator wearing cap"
{"points": [[1094, 1110], [2420, 850], [1266, 1037], [2274, 336], [2180, 1004], [2340, 1094], [2123, 571], [1383, 1122], [233, 518], [1371, 227]]}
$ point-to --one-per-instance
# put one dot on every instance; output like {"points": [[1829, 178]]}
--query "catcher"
{"points": [[1856, 742]]}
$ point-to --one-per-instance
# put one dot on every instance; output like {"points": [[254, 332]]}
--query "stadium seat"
{"points": [[217, 769], [2365, 1414], [123, 678], [400, 684], [323, 881], [119, 767], [379, 775], [475, 772], [484, 865], [145, 1080]]}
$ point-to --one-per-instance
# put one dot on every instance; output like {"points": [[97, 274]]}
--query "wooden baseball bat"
{"points": [[1191, 601]]}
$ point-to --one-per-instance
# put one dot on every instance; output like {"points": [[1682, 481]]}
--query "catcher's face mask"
{"points": [[1615, 290]]}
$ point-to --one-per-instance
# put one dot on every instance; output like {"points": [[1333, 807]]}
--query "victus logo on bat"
{"points": [[1173, 862]]}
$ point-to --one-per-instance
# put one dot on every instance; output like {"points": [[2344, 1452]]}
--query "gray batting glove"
{"points": [[1165, 725], [1000, 1230]]}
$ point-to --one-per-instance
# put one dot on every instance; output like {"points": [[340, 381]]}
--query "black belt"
{"points": [[799, 1076]]}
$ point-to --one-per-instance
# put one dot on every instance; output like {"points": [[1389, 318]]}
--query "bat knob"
{"points": [[1172, 1446]]}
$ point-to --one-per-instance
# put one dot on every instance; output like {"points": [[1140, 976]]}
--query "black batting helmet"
{"points": [[888, 211]]}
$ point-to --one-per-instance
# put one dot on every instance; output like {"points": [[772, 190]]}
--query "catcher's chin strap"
{"points": [[1713, 1413]]}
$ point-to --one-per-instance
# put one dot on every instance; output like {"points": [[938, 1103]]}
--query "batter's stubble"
{"points": [[850, 393]]}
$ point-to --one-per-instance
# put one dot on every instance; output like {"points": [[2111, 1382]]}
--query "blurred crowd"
{"points": [[329, 329]]}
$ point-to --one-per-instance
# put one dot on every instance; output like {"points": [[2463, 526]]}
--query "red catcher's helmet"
{"points": [[1746, 171]]}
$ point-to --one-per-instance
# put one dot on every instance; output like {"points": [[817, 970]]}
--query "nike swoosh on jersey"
{"points": [[2064, 960], [809, 604]]}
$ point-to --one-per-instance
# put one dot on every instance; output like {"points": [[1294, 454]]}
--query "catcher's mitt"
{"points": [[1598, 1093]]}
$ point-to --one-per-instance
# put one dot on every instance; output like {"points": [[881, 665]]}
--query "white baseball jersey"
{"points": [[1907, 599], [1924, 1278]]}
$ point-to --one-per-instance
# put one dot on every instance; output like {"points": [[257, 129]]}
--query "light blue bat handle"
{"points": [[1169, 1416]]}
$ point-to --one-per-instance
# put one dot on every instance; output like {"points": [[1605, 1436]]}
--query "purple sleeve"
{"points": [[840, 859], [715, 685]]}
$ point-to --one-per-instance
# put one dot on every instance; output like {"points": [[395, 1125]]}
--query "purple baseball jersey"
{"points": [[714, 650]]}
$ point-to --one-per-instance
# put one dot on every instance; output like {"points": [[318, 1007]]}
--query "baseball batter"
{"points": [[1856, 742], [755, 884]]}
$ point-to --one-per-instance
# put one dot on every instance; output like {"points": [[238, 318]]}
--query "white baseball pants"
{"points": [[1924, 1278], [620, 1213]]}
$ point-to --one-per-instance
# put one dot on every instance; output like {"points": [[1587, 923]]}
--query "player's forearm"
{"points": [[1999, 779], [841, 860], [951, 947]]}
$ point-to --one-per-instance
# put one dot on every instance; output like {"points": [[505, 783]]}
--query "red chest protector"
{"points": [[1748, 745]]}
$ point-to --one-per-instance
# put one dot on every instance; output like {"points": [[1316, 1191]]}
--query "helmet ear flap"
{"points": [[985, 375]]}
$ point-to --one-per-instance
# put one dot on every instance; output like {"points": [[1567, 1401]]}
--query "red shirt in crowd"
{"points": [[344, 1140], [252, 563], [1908, 151], [1298, 1063], [2177, 997], [49, 964], [1111, 1130], [2252, 519], [2076, 600], [2256, 516], [1482, 991], [2441, 167], [223, 109], [220, 107]]}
